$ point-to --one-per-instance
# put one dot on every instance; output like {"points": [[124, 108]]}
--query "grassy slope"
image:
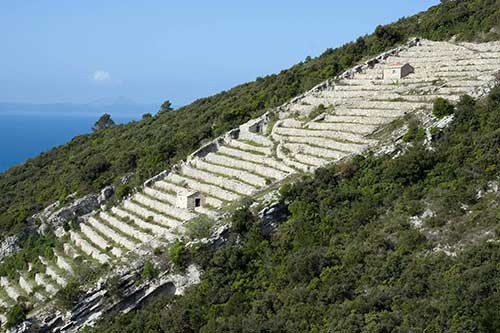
{"points": [[348, 259], [143, 148]]}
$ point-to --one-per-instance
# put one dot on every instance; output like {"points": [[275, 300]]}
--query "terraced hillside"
{"points": [[332, 121]]}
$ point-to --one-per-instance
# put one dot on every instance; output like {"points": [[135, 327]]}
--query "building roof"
{"points": [[187, 193], [397, 64]]}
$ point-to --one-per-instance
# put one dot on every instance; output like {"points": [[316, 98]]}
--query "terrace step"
{"points": [[146, 213], [52, 271], [341, 137], [11, 290], [252, 167], [340, 147], [252, 148], [43, 281], [266, 161], [290, 161], [244, 176], [225, 183], [314, 151], [161, 195], [112, 234], [125, 227], [209, 189], [88, 248], [361, 129], [99, 241], [345, 111], [356, 120], [155, 228], [62, 263]]}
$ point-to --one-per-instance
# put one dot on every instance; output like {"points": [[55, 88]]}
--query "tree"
{"points": [[166, 107], [104, 122]]}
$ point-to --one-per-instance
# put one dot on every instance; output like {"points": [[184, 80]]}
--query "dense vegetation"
{"points": [[143, 148], [351, 258]]}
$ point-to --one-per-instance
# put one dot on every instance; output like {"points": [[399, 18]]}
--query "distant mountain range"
{"points": [[121, 106]]}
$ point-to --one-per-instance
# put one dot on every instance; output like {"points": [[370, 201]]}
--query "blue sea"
{"points": [[23, 136]]}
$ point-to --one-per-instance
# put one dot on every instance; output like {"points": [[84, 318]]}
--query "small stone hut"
{"points": [[397, 71], [255, 126], [190, 199]]}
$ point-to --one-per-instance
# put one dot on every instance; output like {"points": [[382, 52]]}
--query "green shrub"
{"points": [[177, 254], [200, 227], [66, 298], [16, 315], [317, 111], [148, 271], [414, 133], [123, 190], [442, 108]]}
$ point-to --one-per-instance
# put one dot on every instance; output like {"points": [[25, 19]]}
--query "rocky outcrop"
{"points": [[9, 246], [53, 217]]}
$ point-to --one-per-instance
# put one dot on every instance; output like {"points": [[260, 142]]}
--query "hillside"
{"points": [[96, 260], [402, 150], [400, 242], [144, 148]]}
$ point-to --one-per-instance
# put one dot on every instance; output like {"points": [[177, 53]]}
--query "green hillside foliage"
{"points": [[143, 148], [349, 259]]}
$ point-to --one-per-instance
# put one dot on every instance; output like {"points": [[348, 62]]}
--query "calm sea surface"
{"points": [[23, 136]]}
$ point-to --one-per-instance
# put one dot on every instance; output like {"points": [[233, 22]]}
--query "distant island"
{"points": [[120, 106]]}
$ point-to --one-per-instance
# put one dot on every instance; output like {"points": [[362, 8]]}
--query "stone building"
{"points": [[255, 126], [190, 199], [397, 71]]}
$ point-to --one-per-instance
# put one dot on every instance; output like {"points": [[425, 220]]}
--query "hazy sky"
{"points": [[80, 51]]}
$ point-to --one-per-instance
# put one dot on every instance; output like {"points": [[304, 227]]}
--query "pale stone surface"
{"points": [[70, 251], [62, 263], [112, 234], [266, 161], [158, 230], [125, 227], [340, 136], [251, 167], [314, 151], [303, 154], [88, 248], [25, 284], [8, 246], [146, 213], [352, 128], [259, 139], [356, 120], [42, 280], [288, 160], [247, 177], [166, 186], [226, 183], [249, 147], [170, 198], [168, 209], [9, 288], [50, 271], [97, 239], [211, 190]]}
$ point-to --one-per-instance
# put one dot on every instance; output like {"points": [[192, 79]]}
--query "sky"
{"points": [[149, 51]]}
